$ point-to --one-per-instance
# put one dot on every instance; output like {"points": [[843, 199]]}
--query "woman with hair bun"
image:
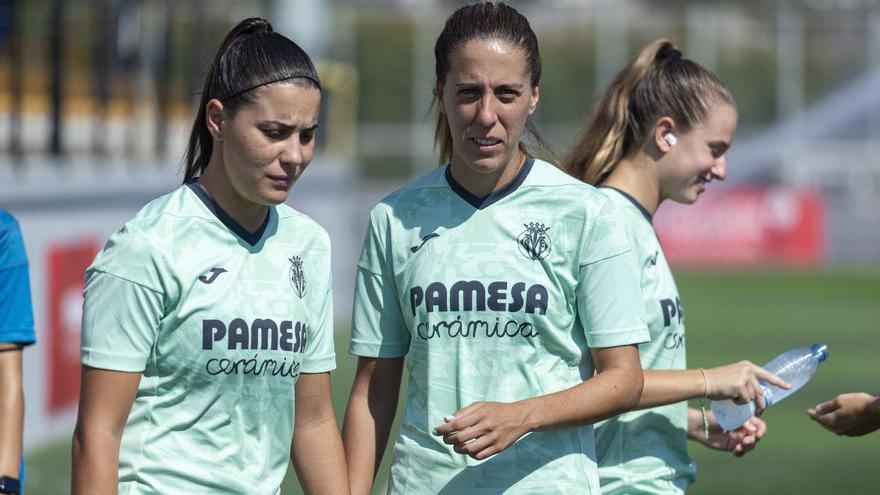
{"points": [[659, 132], [207, 334]]}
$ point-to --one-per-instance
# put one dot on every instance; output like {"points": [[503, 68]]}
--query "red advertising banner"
{"points": [[66, 264], [749, 225]]}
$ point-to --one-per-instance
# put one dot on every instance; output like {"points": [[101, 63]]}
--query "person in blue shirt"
{"points": [[16, 332]]}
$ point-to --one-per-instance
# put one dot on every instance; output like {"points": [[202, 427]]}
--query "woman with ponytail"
{"points": [[660, 131], [503, 283], [207, 332]]}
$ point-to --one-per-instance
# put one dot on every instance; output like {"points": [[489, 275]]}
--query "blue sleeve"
{"points": [[16, 310]]}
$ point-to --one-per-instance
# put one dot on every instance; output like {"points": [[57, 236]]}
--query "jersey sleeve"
{"points": [[320, 355], [610, 304], [378, 329], [16, 310], [124, 300]]}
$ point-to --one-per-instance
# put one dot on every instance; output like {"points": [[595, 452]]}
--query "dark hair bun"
{"points": [[254, 25]]}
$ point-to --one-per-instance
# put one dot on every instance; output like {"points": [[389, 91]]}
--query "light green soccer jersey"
{"points": [[221, 323], [645, 452], [494, 299]]}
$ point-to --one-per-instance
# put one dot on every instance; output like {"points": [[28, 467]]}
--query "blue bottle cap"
{"points": [[821, 350]]}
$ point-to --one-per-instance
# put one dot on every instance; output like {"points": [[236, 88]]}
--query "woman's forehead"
{"points": [[285, 100], [482, 58]]}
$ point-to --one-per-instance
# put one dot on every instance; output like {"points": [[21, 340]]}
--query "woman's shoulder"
{"points": [[154, 225], [291, 218], [629, 209], [419, 190], [176, 204], [563, 190], [556, 181]]}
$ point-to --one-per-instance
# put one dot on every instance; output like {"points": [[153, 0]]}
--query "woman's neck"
{"points": [[482, 185], [637, 178], [246, 213]]}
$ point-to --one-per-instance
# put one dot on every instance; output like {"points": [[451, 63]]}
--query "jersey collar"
{"points": [[251, 238], [634, 201], [486, 201]]}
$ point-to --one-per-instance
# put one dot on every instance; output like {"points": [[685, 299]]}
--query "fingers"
{"points": [[745, 445], [747, 436], [826, 414], [746, 433], [468, 409], [758, 396], [739, 399], [474, 446], [483, 429], [831, 421], [461, 419], [742, 382], [466, 434], [760, 427], [824, 408], [770, 378]]}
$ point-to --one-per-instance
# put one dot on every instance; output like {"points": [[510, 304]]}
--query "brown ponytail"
{"points": [[658, 82]]}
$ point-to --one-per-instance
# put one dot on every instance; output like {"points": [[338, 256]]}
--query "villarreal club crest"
{"points": [[534, 243]]}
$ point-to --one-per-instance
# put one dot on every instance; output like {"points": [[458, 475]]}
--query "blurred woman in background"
{"points": [[660, 131]]}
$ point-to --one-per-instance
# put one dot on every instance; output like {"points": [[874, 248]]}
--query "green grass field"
{"points": [[730, 316]]}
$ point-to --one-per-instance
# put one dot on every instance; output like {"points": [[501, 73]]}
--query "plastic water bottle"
{"points": [[796, 367]]}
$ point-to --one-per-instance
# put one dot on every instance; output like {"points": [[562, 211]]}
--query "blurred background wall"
{"points": [[97, 99]]}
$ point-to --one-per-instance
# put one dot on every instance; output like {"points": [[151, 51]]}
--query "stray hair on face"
{"points": [[658, 82], [251, 56], [485, 21]]}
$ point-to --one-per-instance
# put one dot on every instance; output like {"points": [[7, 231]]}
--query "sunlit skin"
{"points": [[487, 97], [699, 156], [261, 150], [661, 171]]}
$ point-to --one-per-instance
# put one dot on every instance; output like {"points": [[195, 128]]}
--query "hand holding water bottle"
{"points": [[796, 366], [738, 442], [741, 383]]}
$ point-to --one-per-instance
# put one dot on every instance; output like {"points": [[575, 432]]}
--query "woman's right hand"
{"points": [[739, 383]]}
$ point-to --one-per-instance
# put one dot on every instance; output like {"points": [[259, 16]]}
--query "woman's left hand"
{"points": [[484, 429], [739, 441]]}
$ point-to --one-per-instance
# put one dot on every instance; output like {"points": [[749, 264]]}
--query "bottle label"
{"points": [[768, 395]]}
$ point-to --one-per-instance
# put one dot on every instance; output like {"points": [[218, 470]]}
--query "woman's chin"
{"points": [[272, 197]]}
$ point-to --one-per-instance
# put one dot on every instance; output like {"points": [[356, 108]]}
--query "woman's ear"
{"points": [[664, 134], [536, 95], [215, 118], [438, 93]]}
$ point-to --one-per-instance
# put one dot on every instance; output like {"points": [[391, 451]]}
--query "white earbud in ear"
{"points": [[669, 138]]}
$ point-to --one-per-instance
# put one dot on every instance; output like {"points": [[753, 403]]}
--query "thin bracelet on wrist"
{"points": [[705, 383], [703, 415], [705, 418]]}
